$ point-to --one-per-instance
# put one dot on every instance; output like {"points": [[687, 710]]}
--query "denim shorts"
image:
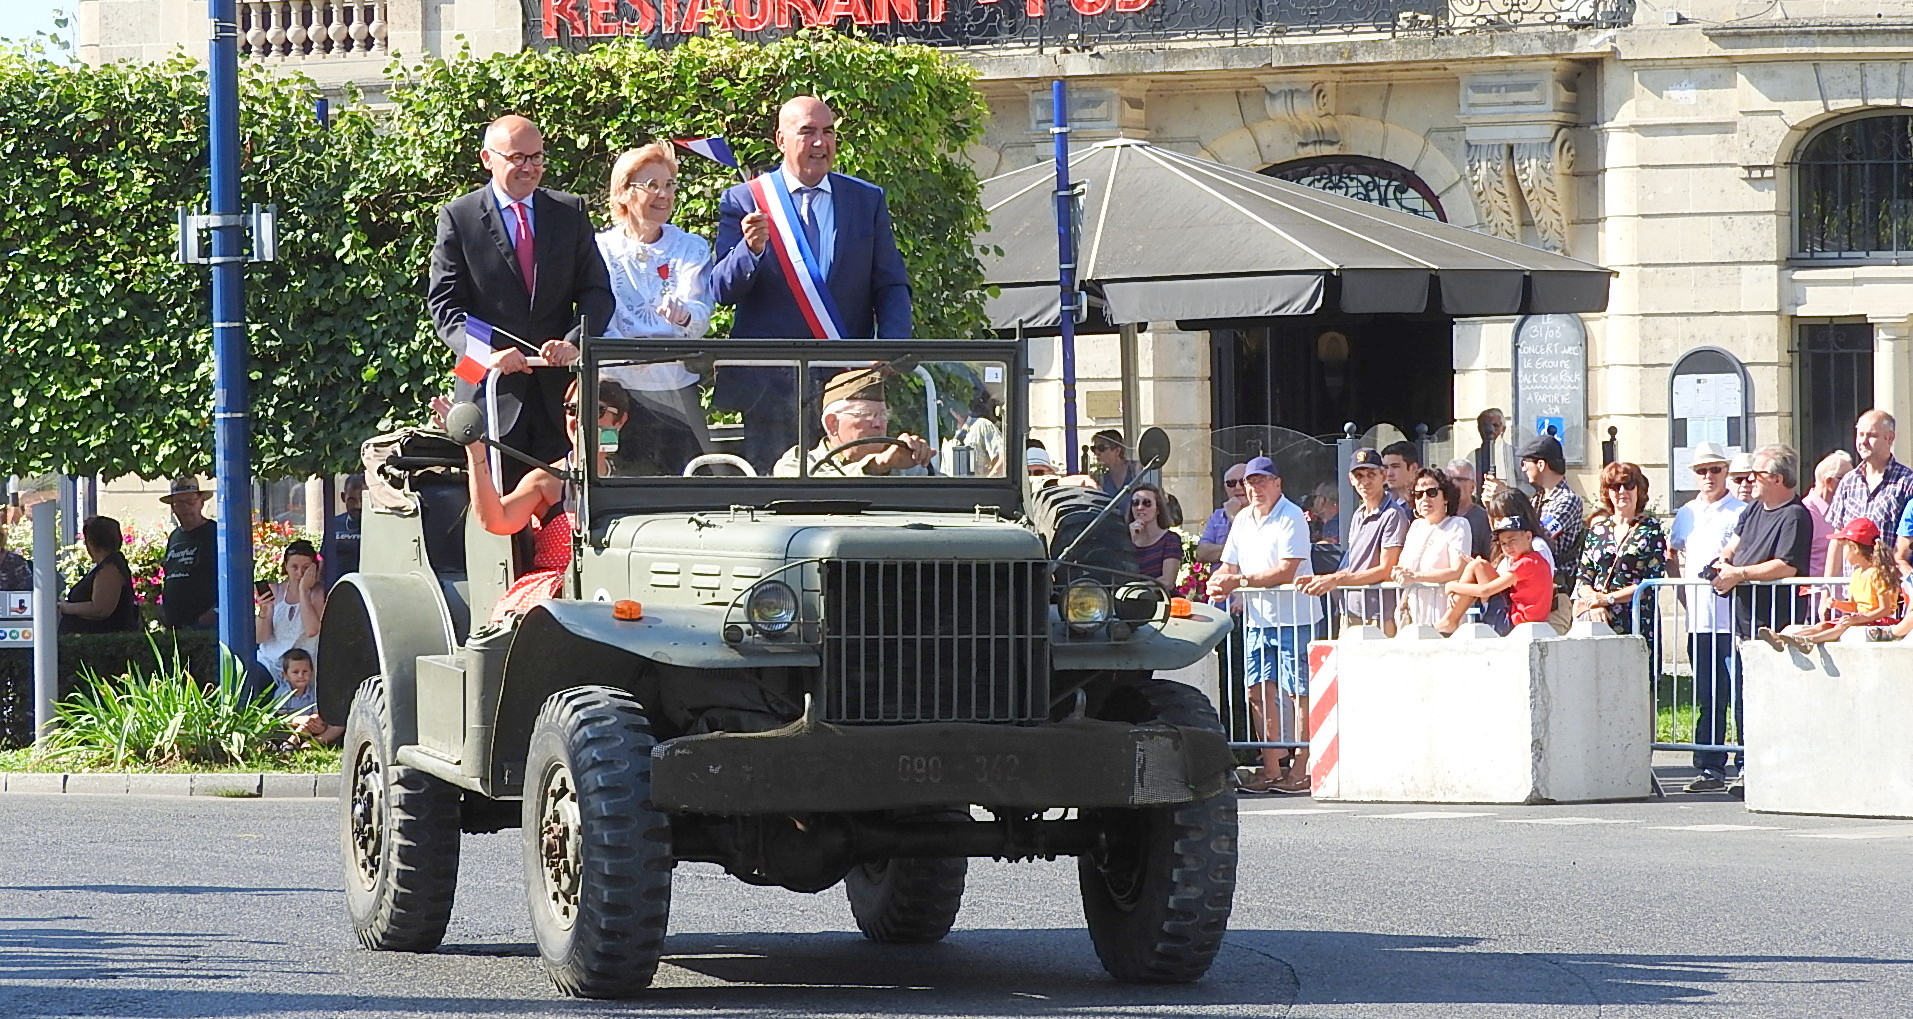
{"points": [[1279, 655]]}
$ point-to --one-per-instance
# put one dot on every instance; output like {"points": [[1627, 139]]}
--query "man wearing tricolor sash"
{"points": [[802, 253]]}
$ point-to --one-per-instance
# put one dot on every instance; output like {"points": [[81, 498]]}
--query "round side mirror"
{"points": [[1153, 447], [465, 422]]}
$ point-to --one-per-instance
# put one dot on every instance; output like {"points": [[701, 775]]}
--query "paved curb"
{"points": [[240, 785]]}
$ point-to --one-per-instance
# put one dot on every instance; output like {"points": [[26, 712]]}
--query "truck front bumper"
{"points": [[822, 768]]}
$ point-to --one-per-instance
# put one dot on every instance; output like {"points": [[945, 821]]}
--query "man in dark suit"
{"points": [[848, 224], [522, 259]]}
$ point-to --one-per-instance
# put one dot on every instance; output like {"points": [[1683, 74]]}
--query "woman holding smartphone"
{"points": [[287, 614]]}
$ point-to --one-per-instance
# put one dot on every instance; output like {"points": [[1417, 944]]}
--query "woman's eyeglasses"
{"points": [[1621, 486], [1142, 504], [655, 187], [1427, 493]]}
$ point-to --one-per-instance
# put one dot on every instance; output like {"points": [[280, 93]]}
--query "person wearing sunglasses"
{"points": [[1625, 546], [521, 259], [1436, 550], [1701, 530], [1215, 533], [537, 501], [1114, 467], [1158, 549]]}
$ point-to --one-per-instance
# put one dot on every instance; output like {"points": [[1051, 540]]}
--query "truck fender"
{"points": [[378, 624], [562, 644]]}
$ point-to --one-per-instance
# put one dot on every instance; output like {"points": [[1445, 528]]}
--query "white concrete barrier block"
{"points": [[1204, 675], [1810, 718], [1475, 631], [1855, 635], [1493, 721], [1418, 632], [1589, 628], [1363, 632], [1533, 631]]}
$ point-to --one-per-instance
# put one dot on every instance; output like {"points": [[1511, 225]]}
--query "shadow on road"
{"points": [[974, 973]]}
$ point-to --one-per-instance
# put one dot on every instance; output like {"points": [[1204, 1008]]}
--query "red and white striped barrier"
{"points": [[1324, 743]]}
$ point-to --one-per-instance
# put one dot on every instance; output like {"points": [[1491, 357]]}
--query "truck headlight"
{"points": [[1086, 605], [771, 607]]}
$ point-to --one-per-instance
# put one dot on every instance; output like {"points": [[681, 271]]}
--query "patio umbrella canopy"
{"points": [[1170, 237]]}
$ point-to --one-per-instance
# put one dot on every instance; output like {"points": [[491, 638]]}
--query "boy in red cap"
{"points": [[1875, 586]]}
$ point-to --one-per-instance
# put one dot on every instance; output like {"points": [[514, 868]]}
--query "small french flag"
{"points": [[710, 148], [473, 365]]}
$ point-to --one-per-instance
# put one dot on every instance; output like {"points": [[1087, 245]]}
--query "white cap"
{"points": [[1035, 457]]}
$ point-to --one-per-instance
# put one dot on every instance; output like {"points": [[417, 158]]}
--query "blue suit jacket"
{"points": [[867, 278]]}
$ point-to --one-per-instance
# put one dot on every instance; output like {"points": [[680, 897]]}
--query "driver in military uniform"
{"points": [[857, 418]]}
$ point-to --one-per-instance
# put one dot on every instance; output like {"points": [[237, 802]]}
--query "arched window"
{"points": [[1375, 181], [1854, 188]]}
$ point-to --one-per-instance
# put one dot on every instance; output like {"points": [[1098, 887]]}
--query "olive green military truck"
{"points": [[862, 664]]}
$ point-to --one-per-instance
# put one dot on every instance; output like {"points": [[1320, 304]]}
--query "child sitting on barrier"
{"points": [[1875, 585], [1521, 572]]}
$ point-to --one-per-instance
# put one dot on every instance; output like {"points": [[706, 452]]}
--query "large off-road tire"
{"points": [[597, 853], [908, 901], [1062, 512], [398, 833], [1158, 892]]}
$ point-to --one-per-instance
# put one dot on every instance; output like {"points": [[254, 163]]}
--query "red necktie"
{"points": [[527, 261]]}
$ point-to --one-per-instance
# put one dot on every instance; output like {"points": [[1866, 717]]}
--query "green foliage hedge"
{"points": [[106, 654], [107, 365]]}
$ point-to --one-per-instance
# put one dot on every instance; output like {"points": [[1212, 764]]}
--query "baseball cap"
{"points": [[1545, 448], [1034, 457], [1365, 457], [1859, 530], [1261, 465], [1511, 524], [1707, 453]]}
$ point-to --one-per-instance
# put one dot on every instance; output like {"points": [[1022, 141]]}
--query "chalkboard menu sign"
{"points": [[1551, 381]]}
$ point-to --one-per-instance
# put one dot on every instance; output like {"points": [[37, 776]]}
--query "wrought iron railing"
{"points": [[1017, 24]]}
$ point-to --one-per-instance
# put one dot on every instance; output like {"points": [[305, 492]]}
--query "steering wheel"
{"points": [[830, 455], [713, 459]]}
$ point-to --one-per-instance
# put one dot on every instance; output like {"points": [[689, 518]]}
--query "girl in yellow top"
{"points": [[1875, 585]]}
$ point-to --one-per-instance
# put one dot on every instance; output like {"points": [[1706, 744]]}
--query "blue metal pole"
{"points": [[1066, 267], [232, 399]]}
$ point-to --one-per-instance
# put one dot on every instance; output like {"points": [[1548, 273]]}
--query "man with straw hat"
{"points": [[189, 591]]}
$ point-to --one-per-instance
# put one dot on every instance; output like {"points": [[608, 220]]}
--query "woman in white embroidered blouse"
{"points": [[659, 276]]}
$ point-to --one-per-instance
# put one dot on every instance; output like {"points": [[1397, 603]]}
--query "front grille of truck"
{"points": [[935, 641]]}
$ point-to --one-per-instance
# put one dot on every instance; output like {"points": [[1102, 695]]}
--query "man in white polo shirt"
{"points": [[1701, 530], [1268, 546]]}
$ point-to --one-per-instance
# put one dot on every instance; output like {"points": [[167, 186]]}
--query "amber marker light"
{"points": [[626, 609], [1181, 608]]}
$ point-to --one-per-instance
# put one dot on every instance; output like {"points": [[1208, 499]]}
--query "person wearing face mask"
{"points": [[660, 280]]}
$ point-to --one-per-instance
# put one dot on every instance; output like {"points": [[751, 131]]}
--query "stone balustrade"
{"points": [[311, 30]]}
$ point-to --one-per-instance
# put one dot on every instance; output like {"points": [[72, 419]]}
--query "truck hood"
{"points": [[759, 535]]}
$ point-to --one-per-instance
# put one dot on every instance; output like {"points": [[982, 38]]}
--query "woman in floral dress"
{"points": [[1625, 546]]}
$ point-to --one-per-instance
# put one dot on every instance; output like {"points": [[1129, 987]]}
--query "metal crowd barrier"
{"points": [[1693, 651], [1680, 701], [1232, 695]]}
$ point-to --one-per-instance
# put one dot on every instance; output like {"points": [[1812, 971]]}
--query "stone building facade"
{"points": [[1746, 168]]}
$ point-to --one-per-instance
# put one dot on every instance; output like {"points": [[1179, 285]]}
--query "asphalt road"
{"points": [[1689, 907]]}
